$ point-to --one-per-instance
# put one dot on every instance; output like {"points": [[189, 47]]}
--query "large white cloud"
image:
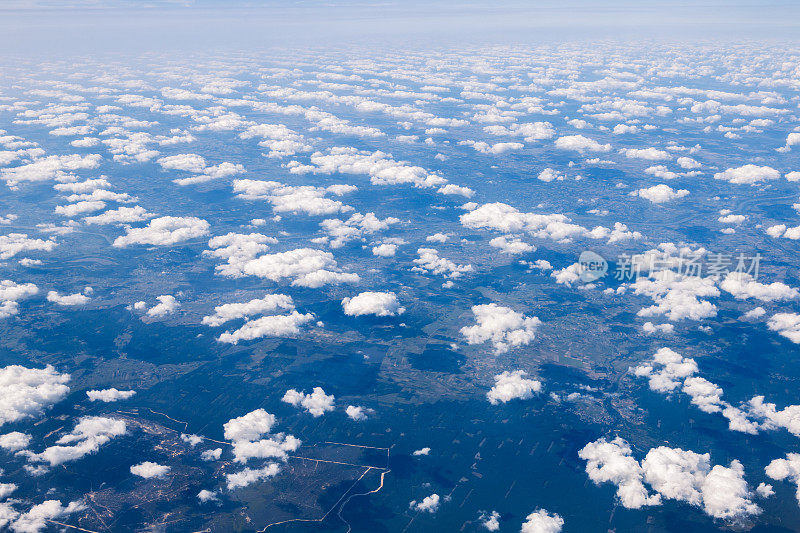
{"points": [[27, 392], [677, 296], [268, 326], [38, 517], [429, 261], [659, 194], [317, 402], [748, 174], [502, 326], [580, 143], [306, 267], [89, 434], [249, 427], [67, 299], [428, 504], [540, 521], [15, 441], [299, 199], [379, 166], [672, 473], [121, 215], [513, 385], [49, 168], [257, 306], [742, 285], [164, 231], [248, 476], [109, 395], [502, 217], [786, 469], [11, 293], [247, 434], [16, 243], [373, 303], [650, 154], [167, 304], [150, 470], [339, 232], [787, 325]]}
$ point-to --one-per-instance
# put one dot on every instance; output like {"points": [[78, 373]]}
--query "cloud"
{"points": [[249, 427], [742, 285], [28, 392], [278, 139], [513, 385], [79, 208], [187, 162], [491, 521], [268, 326], [356, 227], [786, 469], [166, 306], [358, 413], [287, 199], [11, 293], [150, 470], [502, 326], [502, 217], [611, 462], [453, 189], [511, 245], [122, 215], [207, 496], [669, 371], [16, 243], [540, 521], [384, 250], [530, 131], [748, 175], [787, 325], [49, 168], [306, 267], [258, 306], [650, 154], [429, 261], [659, 194], [579, 143], [672, 473], [429, 504], [246, 433], [89, 434], [677, 296], [547, 175], [496, 148], [164, 231], [237, 249], [249, 476], [67, 300], [14, 441], [38, 517], [373, 303], [317, 403], [780, 230], [379, 166], [276, 447], [109, 395]]}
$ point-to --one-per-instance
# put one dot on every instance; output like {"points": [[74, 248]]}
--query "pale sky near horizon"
{"points": [[31, 26]]}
